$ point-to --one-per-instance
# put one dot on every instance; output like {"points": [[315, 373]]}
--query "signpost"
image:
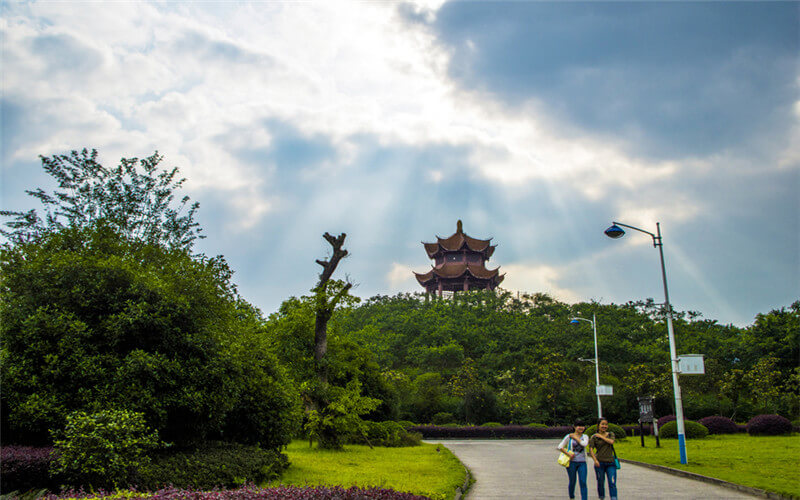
{"points": [[691, 364], [604, 390], [646, 414]]}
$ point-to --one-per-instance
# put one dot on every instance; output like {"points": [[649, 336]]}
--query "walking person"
{"points": [[603, 442], [574, 445]]}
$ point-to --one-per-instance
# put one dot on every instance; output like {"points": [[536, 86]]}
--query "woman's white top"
{"points": [[578, 447]]}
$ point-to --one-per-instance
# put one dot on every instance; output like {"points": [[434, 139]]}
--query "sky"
{"points": [[535, 123]]}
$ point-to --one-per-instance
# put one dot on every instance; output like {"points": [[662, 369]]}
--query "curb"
{"points": [[461, 490], [711, 480]]}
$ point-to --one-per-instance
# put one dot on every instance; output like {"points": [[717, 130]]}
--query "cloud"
{"points": [[535, 123], [401, 278], [524, 277], [671, 79]]}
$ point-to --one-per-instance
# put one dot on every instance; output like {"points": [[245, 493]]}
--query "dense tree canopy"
{"points": [[523, 357], [90, 319]]}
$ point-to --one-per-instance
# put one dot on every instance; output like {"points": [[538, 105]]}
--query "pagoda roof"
{"points": [[458, 270], [458, 241]]}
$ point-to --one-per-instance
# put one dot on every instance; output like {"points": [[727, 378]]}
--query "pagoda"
{"points": [[459, 264]]}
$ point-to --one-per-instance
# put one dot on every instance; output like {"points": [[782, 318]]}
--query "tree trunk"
{"points": [[325, 305]]}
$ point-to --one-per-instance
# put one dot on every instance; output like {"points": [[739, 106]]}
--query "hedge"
{"points": [[506, 431]]}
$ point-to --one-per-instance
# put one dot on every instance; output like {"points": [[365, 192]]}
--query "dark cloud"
{"points": [[673, 78]]}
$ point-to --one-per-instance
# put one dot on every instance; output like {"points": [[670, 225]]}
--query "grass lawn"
{"points": [[416, 469], [768, 462]]}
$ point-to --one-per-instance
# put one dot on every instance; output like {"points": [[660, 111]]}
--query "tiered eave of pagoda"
{"points": [[459, 264]]}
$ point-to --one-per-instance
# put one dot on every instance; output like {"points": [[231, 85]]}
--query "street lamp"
{"points": [[615, 231], [596, 360]]}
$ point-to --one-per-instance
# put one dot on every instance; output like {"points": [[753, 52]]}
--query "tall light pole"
{"points": [[593, 321], [616, 232]]}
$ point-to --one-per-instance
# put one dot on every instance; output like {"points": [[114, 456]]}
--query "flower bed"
{"points": [[25, 467], [252, 493]]}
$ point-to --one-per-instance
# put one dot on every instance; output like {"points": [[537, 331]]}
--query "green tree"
{"points": [[90, 320], [764, 383], [136, 199]]}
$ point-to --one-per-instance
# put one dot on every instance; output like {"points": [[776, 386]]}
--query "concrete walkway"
{"points": [[527, 468]]}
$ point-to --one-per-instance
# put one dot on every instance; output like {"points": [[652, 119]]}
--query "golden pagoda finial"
{"points": [[459, 227]]}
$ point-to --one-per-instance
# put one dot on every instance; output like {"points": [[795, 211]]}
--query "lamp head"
{"points": [[614, 231], [575, 321]]}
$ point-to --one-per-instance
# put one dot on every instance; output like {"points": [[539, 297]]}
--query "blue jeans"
{"points": [[606, 469], [578, 468]]}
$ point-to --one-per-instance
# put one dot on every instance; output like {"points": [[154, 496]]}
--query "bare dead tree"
{"points": [[325, 304]]}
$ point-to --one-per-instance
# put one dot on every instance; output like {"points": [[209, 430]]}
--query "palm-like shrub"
{"points": [[693, 430], [717, 424], [769, 425]]}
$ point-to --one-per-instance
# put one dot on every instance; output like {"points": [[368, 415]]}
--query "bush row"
{"points": [[760, 425], [250, 492], [214, 464], [716, 424], [506, 431]]}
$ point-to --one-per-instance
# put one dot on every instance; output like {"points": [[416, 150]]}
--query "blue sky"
{"points": [[536, 123]]}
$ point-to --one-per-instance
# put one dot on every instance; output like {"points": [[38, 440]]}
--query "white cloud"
{"points": [[540, 277], [401, 278]]}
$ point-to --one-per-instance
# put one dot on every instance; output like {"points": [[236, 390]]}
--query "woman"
{"points": [[574, 445], [603, 442]]}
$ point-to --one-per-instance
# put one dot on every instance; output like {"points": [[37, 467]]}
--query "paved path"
{"points": [[527, 468]]}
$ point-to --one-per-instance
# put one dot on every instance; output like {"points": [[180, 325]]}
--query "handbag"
{"points": [[563, 458], [616, 460]]}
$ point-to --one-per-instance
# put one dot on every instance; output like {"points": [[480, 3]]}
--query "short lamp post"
{"points": [[596, 360], [615, 231]]}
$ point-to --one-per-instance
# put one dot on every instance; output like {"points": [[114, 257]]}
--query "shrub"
{"points": [[442, 418], [537, 425], [389, 433], [718, 424], [213, 464], [406, 424], [692, 428], [492, 424], [103, 449], [769, 425], [619, 432], [663, 420], [24, 467]]}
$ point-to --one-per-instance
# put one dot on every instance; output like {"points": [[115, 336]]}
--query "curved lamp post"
{"points": [[615, 231], [596, 359]]}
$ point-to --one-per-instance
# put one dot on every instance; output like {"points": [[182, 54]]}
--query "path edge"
{"points": [[710, 480], [462, 490]]}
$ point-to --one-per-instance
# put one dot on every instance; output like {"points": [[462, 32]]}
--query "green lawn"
{"points": [[416, 469], [769, 462]]}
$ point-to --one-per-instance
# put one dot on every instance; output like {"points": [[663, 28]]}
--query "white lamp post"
{"points": [[596, 361], [616, 232]]}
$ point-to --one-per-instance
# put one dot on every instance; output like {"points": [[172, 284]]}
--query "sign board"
{"points": [[605, 390], [691, 364], [645, 409]]}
